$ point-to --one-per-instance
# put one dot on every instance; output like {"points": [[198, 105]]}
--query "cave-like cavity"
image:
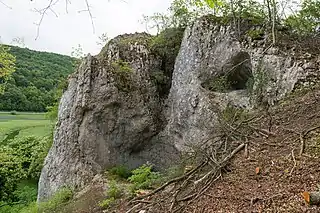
{"points": [[238, 70]]}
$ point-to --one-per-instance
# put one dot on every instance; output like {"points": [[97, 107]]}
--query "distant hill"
{"points": [[34, 83]]}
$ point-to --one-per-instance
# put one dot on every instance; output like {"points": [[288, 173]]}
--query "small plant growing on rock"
{"points": [[119, 172], [255, 34], [219, 84], [122, 74], [143, 177], [114, 192], [60, 198]]}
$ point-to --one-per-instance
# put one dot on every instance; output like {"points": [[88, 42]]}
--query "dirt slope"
{"points": [[283, 174]]}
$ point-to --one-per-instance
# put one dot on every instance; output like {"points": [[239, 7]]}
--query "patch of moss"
{"points": [[255, 34], [122, 75], [218, 84]]}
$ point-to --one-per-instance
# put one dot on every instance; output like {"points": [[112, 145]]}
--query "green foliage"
{"points": [[20, 159], [122, 75], [7, 65], [26, 191], [35, 81], [306, 20], [107, 203], [56, 201], [13, 112], [219, 84], [255, 33], [121, 172], [143, 177], [167, 46], [11, 171], [114, 192]]}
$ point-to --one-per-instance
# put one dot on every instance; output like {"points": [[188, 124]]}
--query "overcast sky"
{"points": [[60, 34]]}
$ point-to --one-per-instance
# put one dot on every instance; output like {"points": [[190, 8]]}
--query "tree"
{"points": [[7, 65]]}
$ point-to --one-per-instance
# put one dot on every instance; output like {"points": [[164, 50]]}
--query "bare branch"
{"points": [[67, 2], [6, 5], [43, 12], [88, 9]]}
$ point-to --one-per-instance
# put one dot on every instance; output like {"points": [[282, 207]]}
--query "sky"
{"points": [[61, 30]]}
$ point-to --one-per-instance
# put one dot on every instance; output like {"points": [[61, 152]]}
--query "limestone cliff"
{"points": [[212, 55], [108, 116], [112, 112]]}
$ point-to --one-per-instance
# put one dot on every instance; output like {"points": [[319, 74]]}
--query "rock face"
{"points": [[111, 113], [107, 117], [210, 52]]}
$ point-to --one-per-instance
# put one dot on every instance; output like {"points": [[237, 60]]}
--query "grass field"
{"points": [[23, 124], [19, 125]]}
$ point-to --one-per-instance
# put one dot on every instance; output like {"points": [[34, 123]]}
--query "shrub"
{"points": [[58, 199], [143, 177], [107, 203], [120, 172], [21, 158], [114, 192], [13, 112]]}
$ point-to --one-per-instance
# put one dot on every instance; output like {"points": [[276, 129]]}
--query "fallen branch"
{"points": [[302, 144], [295, 162], [235, 151], [263, 131], [302, 137], [170, 182]]}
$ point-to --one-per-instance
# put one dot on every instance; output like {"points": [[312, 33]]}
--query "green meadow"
{"points": [[23, 124], [30, 131]]}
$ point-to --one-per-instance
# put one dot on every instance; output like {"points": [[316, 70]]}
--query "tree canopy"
{"points": [[7, 65], [33, 85]]}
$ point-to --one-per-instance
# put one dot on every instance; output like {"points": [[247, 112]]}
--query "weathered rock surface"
{"points": [[111, 113], [107, 117], [209, 51]]}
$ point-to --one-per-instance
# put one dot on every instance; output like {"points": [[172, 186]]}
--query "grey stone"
{"points": [[108, 117], [102, 121]]}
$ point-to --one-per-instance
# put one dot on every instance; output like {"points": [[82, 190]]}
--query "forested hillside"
{"points": [[33, 85]]}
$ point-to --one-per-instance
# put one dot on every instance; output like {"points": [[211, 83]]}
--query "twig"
{"points": [[90, 14], [135, 206], [43, 12], [170, 182], [264, 131], [246, 153], [295, 162], [302, 144], [6, 5], [302, 137], [235, 151]]}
